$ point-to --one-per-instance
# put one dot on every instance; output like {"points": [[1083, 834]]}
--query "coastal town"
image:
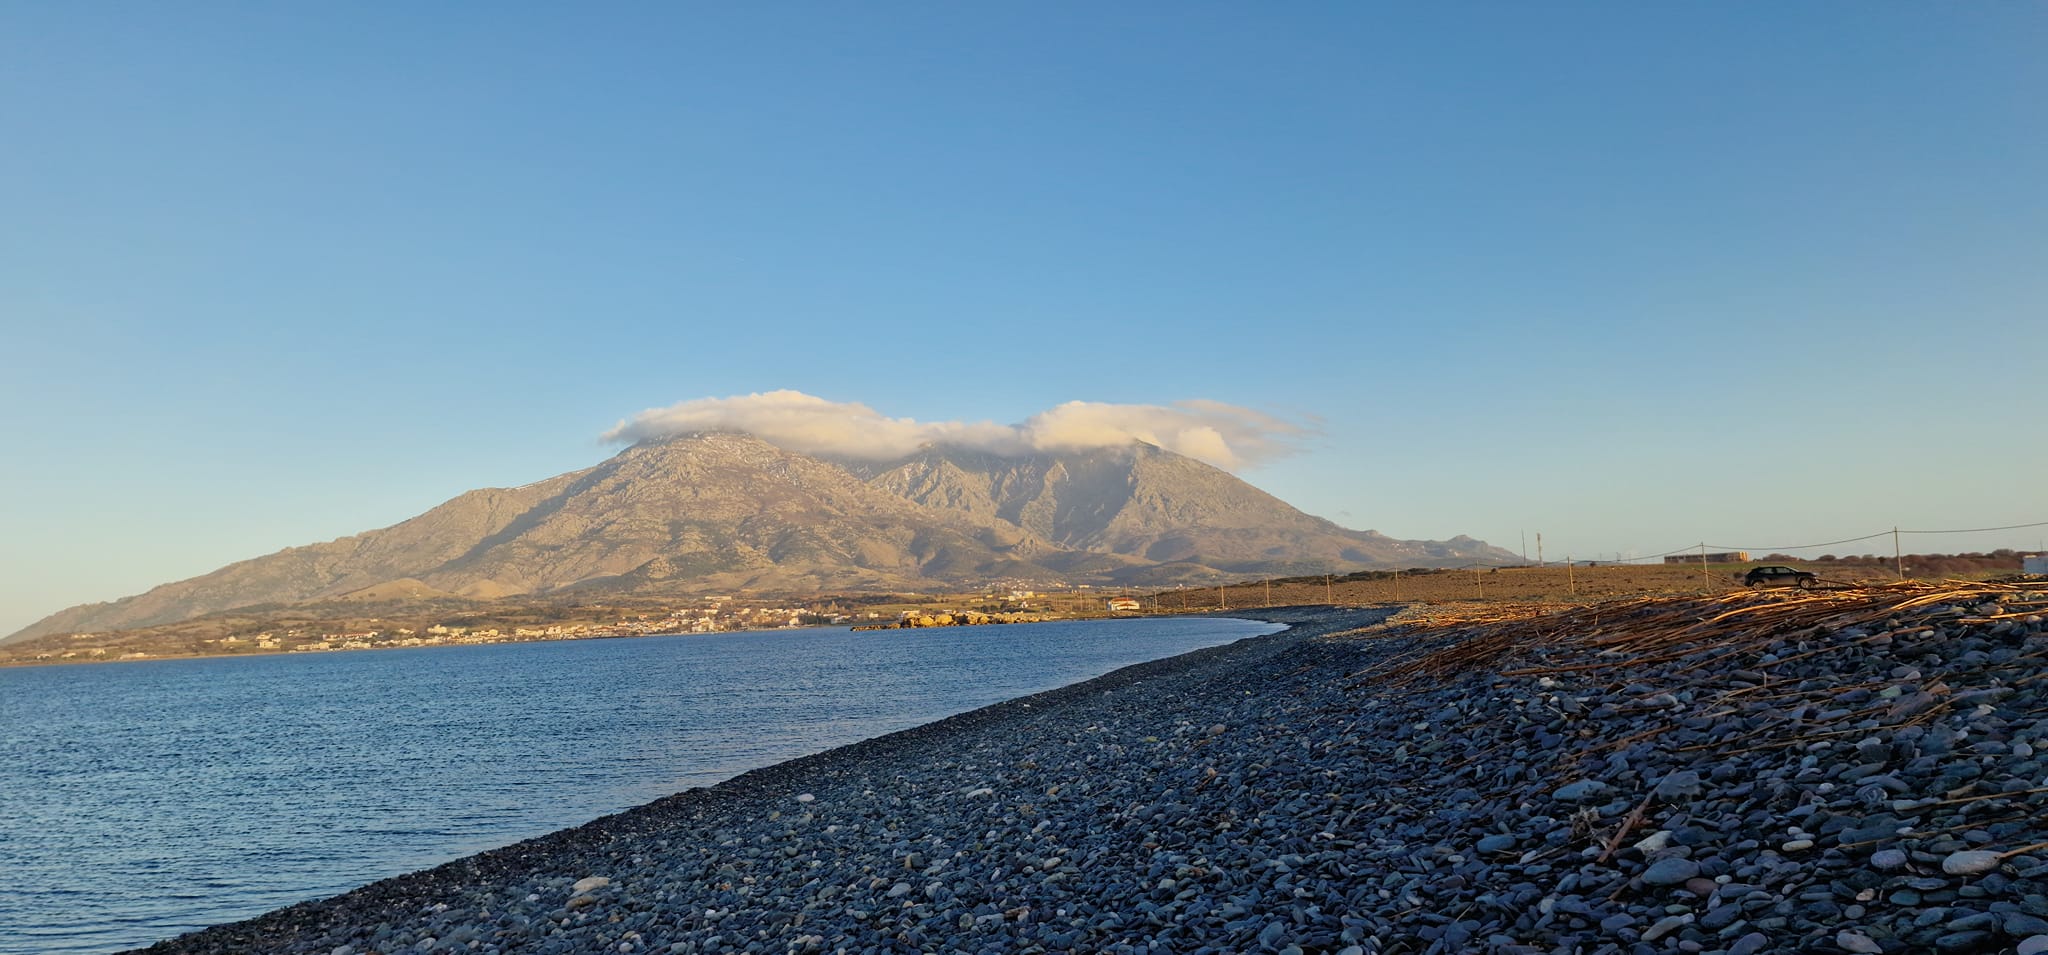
{"points": [[712, 616], [324, 632], [332, 627]]}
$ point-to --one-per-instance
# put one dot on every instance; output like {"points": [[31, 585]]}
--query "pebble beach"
{"points": [[1872, 788]]}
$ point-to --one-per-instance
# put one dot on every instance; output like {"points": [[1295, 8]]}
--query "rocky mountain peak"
{"points": [[717, 510]]}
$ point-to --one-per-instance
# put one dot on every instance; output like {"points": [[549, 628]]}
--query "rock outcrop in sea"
{"points": [[1859, 772]]}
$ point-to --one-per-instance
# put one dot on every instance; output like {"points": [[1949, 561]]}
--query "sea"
{"points": [[142, 800]]}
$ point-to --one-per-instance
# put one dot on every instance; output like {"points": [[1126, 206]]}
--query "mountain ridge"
{"points": [[708, 512]]}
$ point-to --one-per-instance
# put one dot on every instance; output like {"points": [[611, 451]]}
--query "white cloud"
{"points": [[1224, 435]]}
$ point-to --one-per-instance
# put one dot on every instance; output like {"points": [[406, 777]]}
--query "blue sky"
{"points": [[1630, 275]]}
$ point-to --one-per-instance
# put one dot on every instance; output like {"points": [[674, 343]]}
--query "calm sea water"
{"points": [[142, 800]]}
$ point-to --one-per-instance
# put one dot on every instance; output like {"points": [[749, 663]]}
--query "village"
{"points": [[702, 615], [713, 615], [1008, 600]]}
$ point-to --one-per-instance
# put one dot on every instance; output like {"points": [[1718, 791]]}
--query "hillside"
{"points": [[1154, 505], [720, 511]]}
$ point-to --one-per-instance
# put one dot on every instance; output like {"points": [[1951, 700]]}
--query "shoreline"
{"points": [[766, 791], [1859, 772], [259, 654]]}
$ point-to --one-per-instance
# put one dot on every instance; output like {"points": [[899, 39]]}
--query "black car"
{"points": [[1777, 576]]}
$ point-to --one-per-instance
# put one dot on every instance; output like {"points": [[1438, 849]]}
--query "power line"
{"points": [[1687, 549], [1979, 530], [1779, 547], [1854, 540], [1690, 548]]}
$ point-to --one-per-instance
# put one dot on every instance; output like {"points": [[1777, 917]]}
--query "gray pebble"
{"points": [[1584, 790], [1670, 871], [1750, 944], [1329, 813]]}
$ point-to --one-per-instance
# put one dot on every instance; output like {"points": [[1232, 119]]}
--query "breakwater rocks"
{"points": [[1873, 788]]}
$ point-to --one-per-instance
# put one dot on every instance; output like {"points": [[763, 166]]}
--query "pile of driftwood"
{"points": [[1664, 629]]}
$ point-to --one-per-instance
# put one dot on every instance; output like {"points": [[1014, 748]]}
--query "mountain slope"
{"points": [[1144, 502], [315, 571], [712, 512], [717, 510], [727, 508]]}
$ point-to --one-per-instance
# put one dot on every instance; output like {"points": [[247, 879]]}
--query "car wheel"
{"points": [[1806, 583]]}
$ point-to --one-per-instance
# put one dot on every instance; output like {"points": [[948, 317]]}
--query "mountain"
{"points": [[1144, 502], [720, 511]]}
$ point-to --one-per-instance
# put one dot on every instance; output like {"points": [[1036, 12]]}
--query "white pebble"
{"points": [[1970, 862]]}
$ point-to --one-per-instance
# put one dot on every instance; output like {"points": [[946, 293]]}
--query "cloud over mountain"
{"points": [[1220, 434]]}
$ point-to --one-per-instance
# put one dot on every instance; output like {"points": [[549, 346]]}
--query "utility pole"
{"points": [[1705, 583], [1539, 548], [1221, 604], [1525, 545], [1479, 582], [1898, 557], [1332, 601], [1570, 580], [1269, 591]]}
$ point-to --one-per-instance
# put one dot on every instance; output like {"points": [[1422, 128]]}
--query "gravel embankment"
{"points": [[1859, 791]]}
